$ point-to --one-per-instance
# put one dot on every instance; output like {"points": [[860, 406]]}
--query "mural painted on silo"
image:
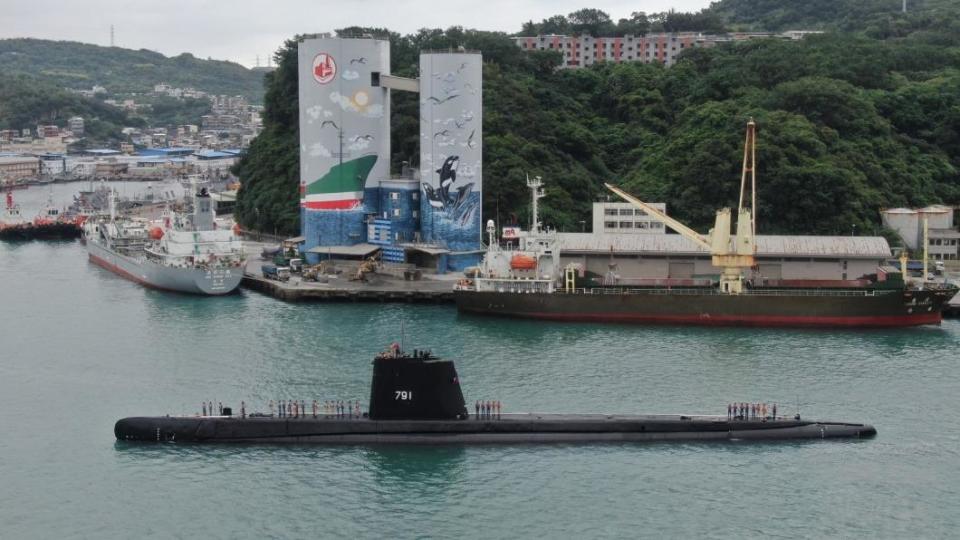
{"points": [[451, 149], [344, 121]]}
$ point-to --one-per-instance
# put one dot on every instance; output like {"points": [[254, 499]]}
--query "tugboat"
{"points": [[50, 224], [416, 399]]}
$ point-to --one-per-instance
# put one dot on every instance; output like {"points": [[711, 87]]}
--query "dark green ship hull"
{"points": [[880, 308]]}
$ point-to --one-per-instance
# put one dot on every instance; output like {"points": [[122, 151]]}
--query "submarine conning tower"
{"points": [[416, 386]]}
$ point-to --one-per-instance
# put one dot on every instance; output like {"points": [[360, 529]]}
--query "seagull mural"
{"points": [[438, 101]]}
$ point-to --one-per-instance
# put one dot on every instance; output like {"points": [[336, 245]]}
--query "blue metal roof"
{"points": [[165, 151], [161, 159], [213, 154]]}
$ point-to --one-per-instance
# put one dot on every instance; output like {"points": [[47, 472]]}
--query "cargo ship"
{"points": [[530, 283], [416, 399], [184, 253]]}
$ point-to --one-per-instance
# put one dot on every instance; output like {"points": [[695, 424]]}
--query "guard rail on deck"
{"points": [[749, 292]]}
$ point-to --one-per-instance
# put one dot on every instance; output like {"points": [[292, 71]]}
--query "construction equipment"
{"points": [[733, 255], [368, 266]]}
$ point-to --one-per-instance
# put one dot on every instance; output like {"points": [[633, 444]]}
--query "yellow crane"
{"points": [[733, 255]]}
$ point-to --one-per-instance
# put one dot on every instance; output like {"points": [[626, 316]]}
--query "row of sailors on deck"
{"points": [[330, 407], [294, 409], [487, 409], [751, 411], [394, 351]]}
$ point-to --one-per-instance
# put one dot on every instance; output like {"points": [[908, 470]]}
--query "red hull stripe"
{"points": [[332, 205], [123, 273], [887, 321]]}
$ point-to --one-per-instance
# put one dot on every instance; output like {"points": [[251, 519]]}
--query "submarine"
{"points": [[416, 399]]}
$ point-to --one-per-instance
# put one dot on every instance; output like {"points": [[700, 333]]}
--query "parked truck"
{"points": [[279, 273]]}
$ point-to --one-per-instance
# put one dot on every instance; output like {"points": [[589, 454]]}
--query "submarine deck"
{"points": [[507, 428]]}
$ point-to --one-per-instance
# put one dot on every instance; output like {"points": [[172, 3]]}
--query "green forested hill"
{"points": [[848, 123], [26, 102], [70, 64], [872, 16]]}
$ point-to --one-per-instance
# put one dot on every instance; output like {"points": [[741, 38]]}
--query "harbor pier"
{"points": [[381, 286]]}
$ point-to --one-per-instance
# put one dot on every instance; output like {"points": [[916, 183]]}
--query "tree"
{"points": [[558, 24], [637, 25], [591, 22]]}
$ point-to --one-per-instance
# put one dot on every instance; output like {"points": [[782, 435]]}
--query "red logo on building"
{"points": [[324, 68]]}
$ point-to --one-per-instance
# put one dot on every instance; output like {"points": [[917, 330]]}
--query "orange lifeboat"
{"points": [[523, 262], [156, 233]]}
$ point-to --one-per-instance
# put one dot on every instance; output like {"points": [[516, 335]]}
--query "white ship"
{"points": [[188, 254]]}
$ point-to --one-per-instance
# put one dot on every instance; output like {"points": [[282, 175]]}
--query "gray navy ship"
{"points": [[184, 253], [416, 399]]}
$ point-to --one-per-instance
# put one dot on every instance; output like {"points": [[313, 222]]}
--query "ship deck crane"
{"points": [[732, 254]]}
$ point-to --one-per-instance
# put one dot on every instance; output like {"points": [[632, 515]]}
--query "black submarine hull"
{"points": [[510, 429]]}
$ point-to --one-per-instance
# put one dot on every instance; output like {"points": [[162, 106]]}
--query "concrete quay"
{"points": [[379, 287]]}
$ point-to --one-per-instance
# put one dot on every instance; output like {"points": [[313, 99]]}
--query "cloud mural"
{"points": [[319, 150]]}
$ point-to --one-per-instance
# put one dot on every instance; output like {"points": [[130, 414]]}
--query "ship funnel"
{"points": [[203, 211], [415, 387]]}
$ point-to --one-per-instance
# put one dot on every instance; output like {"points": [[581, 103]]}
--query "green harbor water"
{"points": [[82, 348]]}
